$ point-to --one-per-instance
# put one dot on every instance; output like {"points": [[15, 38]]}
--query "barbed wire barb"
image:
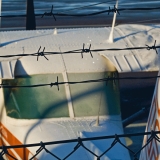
{"points": [[49, 13], [86, 50], [115, 10], [152, 47], [82, 51], [41, 53], [55, 84], [83, 15]]}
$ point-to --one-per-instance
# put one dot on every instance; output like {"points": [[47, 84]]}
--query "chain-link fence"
{"points": [[153, 135]]}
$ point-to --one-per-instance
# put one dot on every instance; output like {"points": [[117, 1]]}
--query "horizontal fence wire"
{"points": [[57, 83], [81, 51], [79, 141], [153, 135], [87, 6], [110, 10]]}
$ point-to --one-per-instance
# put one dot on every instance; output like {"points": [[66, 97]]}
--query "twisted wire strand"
{"points": [[80, 144], [89, 14], [82, 50], [87, 6], [77, 82]]}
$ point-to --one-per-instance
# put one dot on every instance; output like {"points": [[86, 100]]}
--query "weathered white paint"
{"points": [[54, 129], [27, 42]]}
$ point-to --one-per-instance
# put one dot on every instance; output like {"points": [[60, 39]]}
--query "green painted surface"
{"points": [[101, 99], [40, 102], [88, 99]]}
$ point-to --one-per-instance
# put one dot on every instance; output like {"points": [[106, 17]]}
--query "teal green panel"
{"points": [[95, 97], [33, 103]]}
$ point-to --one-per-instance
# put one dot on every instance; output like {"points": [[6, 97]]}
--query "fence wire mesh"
{"points": [[80, 141], [153, 135]]}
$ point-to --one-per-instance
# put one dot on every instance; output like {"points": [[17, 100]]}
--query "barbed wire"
{"points": [[79, 141], [83, 50], [113, 10], [42, 145], [87, 6], [57, 83]]}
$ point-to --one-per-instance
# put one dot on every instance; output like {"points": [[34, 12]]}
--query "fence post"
{"points": [[30, 19], [110, 39]]}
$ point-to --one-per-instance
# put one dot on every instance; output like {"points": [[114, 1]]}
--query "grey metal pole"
{"points": [[30, 20], [136, 116]]}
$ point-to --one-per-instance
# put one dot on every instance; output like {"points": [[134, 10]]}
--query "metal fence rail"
{"points": [[42, 145]]}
